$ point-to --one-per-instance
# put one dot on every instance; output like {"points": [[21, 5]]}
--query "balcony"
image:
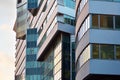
{"points": [[99, 69], [59, 27]]}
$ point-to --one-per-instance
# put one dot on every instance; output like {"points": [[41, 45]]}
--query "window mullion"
{"points": [[115, 52], [113, 22], [99, 52], [99, 21]]}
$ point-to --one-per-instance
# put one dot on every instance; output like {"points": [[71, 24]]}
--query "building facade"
{"points": [[20, 27], [32, 66], [97, 39], [45, 48], [55, 39], [26, 48]]}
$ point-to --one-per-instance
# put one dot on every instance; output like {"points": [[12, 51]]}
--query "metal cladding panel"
{"points": [[104, 36], [105, 67], [107, 7]]}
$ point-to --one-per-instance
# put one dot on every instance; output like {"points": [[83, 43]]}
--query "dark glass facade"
{"points": [[32, 66], [105, 51], [66, 57], [58, 62], [69, 20], [105, 21], [73, 61]]}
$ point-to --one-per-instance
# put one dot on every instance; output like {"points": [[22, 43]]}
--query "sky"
{"points": [[7, 39]]}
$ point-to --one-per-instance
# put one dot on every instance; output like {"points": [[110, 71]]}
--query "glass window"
{"points": [[69, 20], [85, 56], [84, 27], [95, 21], [117, 22], [32, 4], [106, 21], [107, 51], [117, 52], [117, 0], [69, 3], [95, 51]]}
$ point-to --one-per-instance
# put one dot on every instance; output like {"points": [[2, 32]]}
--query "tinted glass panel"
{"points": [[69, 3], [95, 21], [31, 57], [117, 22], [32, 71], [117, 52], [95, 51], [66, 57], [32, 4], [31, 44], [107, 51], [106, 21]]}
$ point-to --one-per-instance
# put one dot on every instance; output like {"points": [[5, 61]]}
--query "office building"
{"points": [[55, 26], [32, 66], [97, 39], [45, 28], [19, 28], [27, 68]]}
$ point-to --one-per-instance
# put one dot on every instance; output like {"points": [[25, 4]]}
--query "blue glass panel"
{"points": [[31, 44], [69, 3], [32, 31], [31, 57], [33, 71], [32, 4]]}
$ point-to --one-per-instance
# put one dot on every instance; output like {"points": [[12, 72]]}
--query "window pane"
{"points": [[95, 21], [117, 52], [95, 51], [117, 0], [107, 51], [117, 22], [106, 21]]}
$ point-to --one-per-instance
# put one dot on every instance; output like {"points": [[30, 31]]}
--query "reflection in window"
{"points": [[84, 27], [69, 20], [69, 3], [117, 52], [32, 4], [107, 51], [95, 51], [117, 0], [106, 21], [117, 22], [98, 51], [85, 56], [95, 21]]}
